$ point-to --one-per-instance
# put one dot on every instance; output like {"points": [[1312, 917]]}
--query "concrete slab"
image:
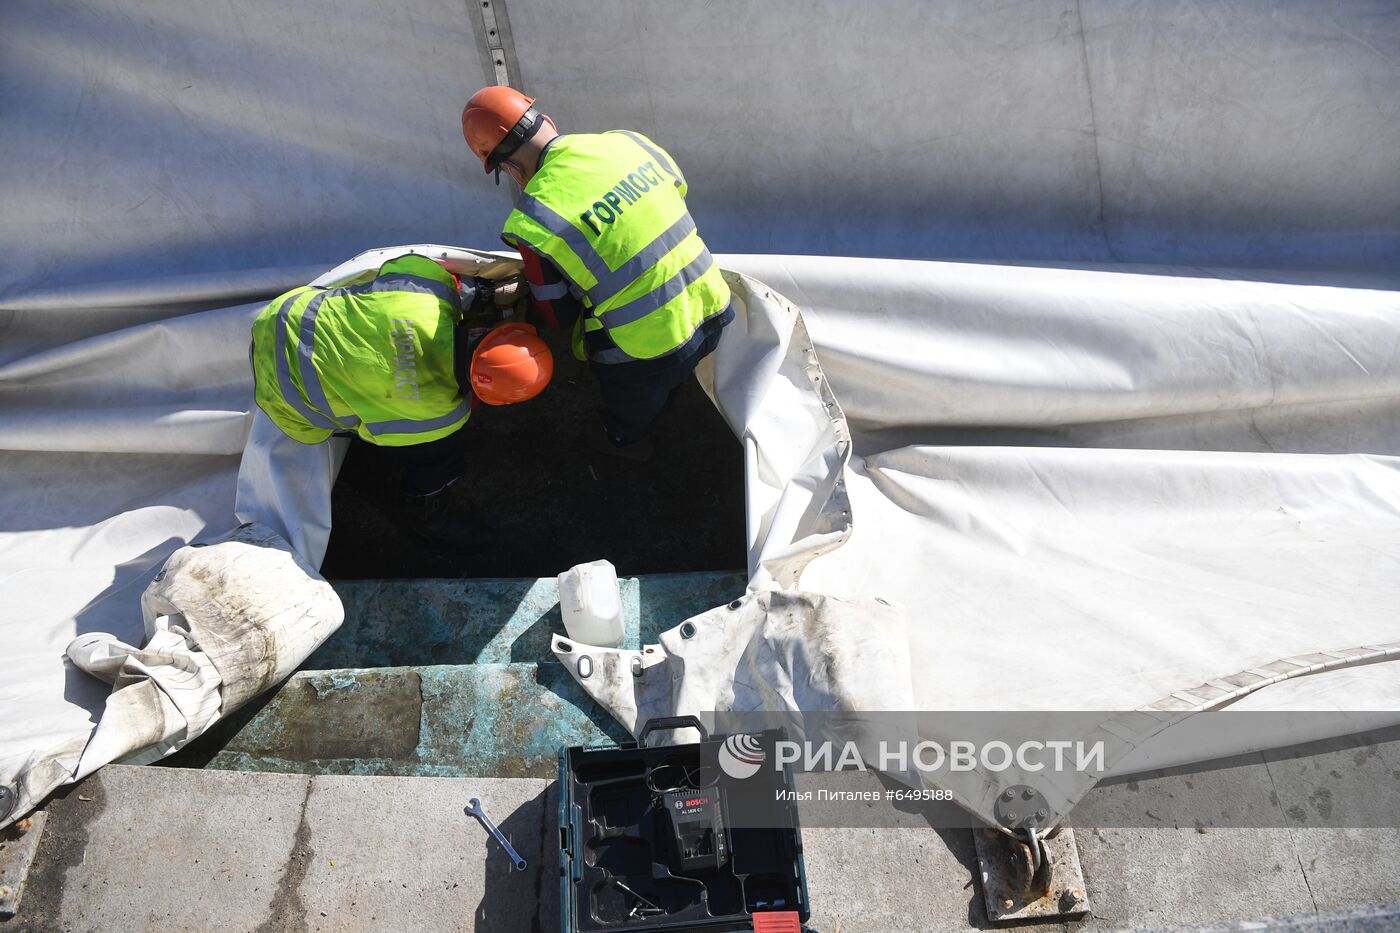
{"points": [[1351, 781], [1342, 806], [379, 853], [19, 843], [1151, 860], [1350, 868], [167, 849], [1161, 851], [156, 849], [908, 880], [1166, 877]]}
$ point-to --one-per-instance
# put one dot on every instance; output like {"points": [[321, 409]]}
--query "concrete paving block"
{"points": [[399, 853], [1235, 793], [1347, 782], [19, 843], [866, 880], [1140, 877], [163, 850], [1350, 868], [1154, 852], [1342, 804]]}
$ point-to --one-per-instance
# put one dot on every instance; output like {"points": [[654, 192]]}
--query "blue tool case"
{"points": [[667, 838]]}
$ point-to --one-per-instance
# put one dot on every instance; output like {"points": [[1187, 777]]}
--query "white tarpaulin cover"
{"points": [[1086, 489], [1127, 479]]}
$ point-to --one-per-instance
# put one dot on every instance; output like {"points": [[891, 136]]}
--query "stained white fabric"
{"points": [[770, 650], [223, 622]]}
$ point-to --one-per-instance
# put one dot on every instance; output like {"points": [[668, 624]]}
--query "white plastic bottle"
{"points": [[592, 605]]}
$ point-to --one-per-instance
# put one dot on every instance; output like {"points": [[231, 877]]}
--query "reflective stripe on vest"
{"points": [[549, 292], [668, 291], [320, 413], [608, 282], [547, 217], [655, 153], [290, 394], [651, 254], [410, 426], [385, 360]]}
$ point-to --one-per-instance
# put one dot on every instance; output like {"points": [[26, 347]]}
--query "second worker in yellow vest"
{"points": [[609, 249], [398, 359]]}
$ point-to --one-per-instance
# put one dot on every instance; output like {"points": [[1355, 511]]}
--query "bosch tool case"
{"points": [[665, 839]]}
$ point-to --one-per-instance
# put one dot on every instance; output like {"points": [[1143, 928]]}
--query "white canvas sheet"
{"points": [[1059, 454], [1129, 483], [1085, 490], [1033, 573]]}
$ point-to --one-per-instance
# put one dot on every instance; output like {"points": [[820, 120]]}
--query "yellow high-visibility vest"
{"points": [[375, 358], [609, 211]]}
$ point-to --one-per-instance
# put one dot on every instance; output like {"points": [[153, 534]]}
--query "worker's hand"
{"points": [[508, 292]]}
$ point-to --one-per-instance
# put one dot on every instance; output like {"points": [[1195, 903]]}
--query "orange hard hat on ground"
{"points": [[511, 364], [491, 116]]}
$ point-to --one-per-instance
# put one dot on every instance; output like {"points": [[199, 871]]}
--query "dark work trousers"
{"points": [[433, 466], [634, 393]]}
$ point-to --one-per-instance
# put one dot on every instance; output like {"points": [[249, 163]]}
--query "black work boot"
{"points": [[442, 520]]}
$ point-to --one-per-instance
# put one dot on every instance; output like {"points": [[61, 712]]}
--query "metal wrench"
{"points": [[474, 809]]}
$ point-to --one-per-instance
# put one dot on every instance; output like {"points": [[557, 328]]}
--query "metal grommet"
{"points": [[565, 647], [585, 667], [736, 604], [688, 630]]}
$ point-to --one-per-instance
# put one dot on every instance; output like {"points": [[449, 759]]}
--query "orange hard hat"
{"points": [[511, 364], [494, 116]]}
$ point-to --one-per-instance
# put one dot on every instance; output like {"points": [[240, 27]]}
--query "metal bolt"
{"points": [[1010, 794], [1042, 813], [1027, 794], [1007, 904], [1011, 817]]}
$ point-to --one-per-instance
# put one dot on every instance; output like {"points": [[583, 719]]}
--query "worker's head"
{"points": [[506, 132], [511, 364]]}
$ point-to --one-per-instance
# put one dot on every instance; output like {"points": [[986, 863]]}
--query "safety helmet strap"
{"points": [[528, 124]]}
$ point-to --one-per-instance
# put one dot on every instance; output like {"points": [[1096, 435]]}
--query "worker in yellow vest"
{"points": [[610, 249], [396, 362]]}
